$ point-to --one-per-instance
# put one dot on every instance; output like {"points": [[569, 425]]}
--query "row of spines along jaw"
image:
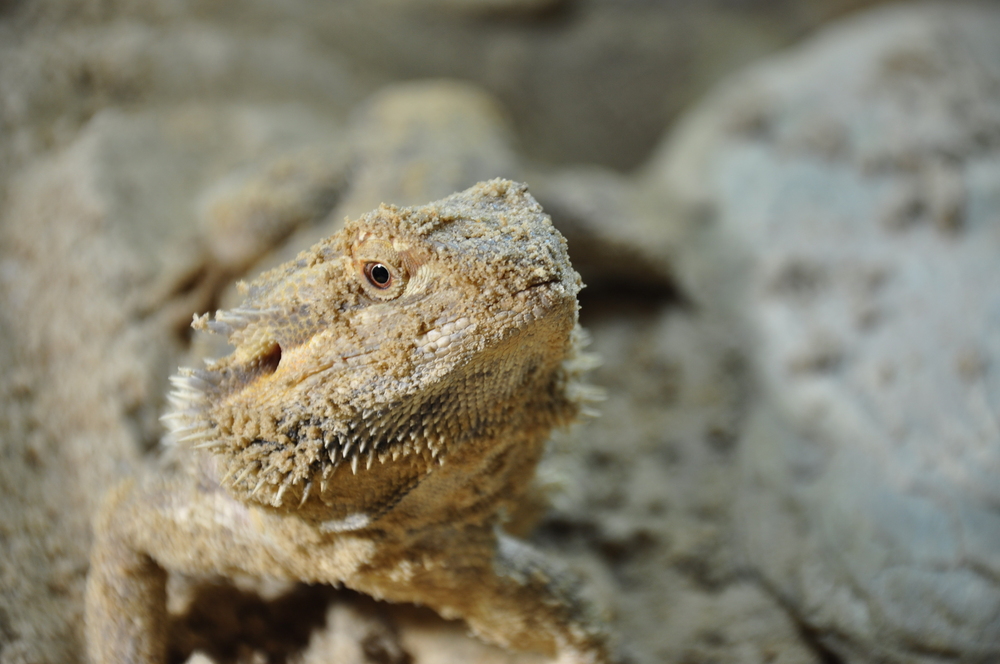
{"points": [[189, 424]]}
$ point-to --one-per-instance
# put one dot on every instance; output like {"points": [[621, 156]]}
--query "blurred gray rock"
{"points": [[416, 142], [843, 203], [60, 64], [584, 80], [247, 212], [616, 231], [478, 8], [103, 262]]}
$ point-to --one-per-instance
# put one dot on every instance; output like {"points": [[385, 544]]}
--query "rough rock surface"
{"points": [[102, 264], [584, 80], [847, 197], [420, 141]]}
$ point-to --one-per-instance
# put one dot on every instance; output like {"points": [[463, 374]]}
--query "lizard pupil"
{"points": [[378, 274]]}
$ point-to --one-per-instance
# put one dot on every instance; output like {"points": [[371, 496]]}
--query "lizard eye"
{"points": [[382, 270], [378, 275]]}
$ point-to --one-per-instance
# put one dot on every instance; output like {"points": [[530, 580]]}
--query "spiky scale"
{"points": [[305, 493], [260, 483], [281, 493], [246, 471], [208, 445], [229, 473]]}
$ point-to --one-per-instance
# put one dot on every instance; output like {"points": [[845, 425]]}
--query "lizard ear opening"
{"points": [[270, 359]]}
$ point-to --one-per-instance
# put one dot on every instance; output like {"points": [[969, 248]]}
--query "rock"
{"points": [[585, 81], [643, 494], [416, 142], [103, 262], [479, 7], [615, 230], [843, 203], [246, 213], [57, 75], [355, 633]]}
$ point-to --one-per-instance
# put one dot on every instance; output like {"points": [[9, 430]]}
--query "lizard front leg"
{"points": [[126, 602], [149, 527], [508, 592]]}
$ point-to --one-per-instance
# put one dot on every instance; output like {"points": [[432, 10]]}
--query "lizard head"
{"points": [[379, 351]]}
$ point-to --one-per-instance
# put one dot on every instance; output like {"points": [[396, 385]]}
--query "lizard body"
{"points": [[387, 400]]}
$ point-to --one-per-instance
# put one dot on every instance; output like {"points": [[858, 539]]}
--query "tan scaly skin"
{"points": [[386, 403]]}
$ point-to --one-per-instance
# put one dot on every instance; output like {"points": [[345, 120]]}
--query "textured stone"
{"points": [[414, 142], [846, 207], [103, 263]]}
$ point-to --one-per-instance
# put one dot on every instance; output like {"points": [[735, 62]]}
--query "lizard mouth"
{"points": [[539, 284]]}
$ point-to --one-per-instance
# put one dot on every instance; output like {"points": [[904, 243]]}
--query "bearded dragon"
{"points": [[387, 398]]}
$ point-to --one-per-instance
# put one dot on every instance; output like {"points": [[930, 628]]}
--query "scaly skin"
{"points": [[386, 403]]}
